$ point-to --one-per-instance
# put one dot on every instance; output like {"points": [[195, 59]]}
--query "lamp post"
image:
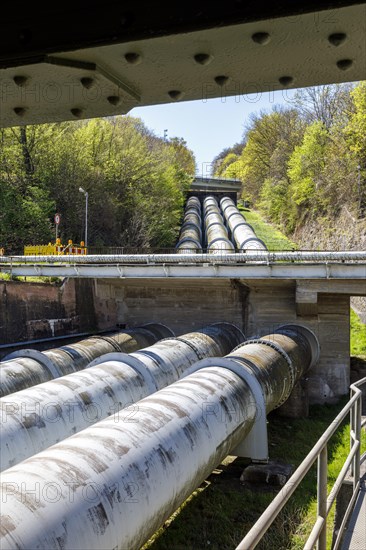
{"points": [[86, 214], [359, 189]]}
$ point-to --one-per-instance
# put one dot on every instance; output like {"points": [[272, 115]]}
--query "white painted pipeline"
{"points": [[242, 233], [194, 202], [192, 216], [112, 485], [216, 233], [225, 202], [209, 201], [190, 236], [25, 368], [38, 417], [213, 217], [229, 258]]}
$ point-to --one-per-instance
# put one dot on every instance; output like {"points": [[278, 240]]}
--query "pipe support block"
{"points": [[255, 444]]}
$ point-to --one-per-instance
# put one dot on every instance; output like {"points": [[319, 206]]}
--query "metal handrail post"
{"points": [[322, 496], [357, 456], [352, 430]]}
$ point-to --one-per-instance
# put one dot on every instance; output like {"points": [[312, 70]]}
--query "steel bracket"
{"points": [[134, 363], [255, 444], [36, 355]]}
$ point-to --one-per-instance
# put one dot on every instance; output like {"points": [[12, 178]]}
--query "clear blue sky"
{"points": [[209, 126]]}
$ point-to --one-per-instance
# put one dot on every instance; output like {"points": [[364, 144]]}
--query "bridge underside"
{"points": [[107, 58]]}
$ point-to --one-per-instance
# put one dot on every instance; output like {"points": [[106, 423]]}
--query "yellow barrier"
{"points": [[56, 249], [40, 250]]}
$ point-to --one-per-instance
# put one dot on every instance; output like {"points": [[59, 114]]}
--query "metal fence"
{"points": [[318, 535]]}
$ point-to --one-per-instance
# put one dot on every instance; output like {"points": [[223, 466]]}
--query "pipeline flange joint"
{"points": [[132, 362], [110, 341], [255, 444], [189, 344], [157, 329], [188, 225], [230, 327], [220, 223], [237, 213]]}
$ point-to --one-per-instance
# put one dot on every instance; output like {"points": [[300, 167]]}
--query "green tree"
{"points": [[306, 165], [355, 133], [135, 180]]}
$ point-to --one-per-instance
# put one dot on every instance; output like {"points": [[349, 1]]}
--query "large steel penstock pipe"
{"points": [[113, 484], [216, 233], [38, 417], [27, 367], [242, 232], [190, 235]]}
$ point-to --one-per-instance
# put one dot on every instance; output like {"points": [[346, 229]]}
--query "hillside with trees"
{"points": [[135, 180], [304, 166]]}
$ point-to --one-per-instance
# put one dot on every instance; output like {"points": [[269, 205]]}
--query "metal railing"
{"points": [[224, 257], [318, 535]]}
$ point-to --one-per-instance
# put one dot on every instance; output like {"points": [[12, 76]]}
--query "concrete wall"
{"points": [[36, 310], [182, 305]]}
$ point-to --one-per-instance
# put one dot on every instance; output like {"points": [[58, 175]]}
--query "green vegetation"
{"points": [[358, 335], [31, 279], [221, 511], [307, 161], [272, 237], [135, 180]]}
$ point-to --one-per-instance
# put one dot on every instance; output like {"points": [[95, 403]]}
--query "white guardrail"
{"points": [[226, 258], [318, 535]]}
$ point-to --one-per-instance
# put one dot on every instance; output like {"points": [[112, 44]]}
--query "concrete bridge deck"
{"points": [[254, 265]]}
